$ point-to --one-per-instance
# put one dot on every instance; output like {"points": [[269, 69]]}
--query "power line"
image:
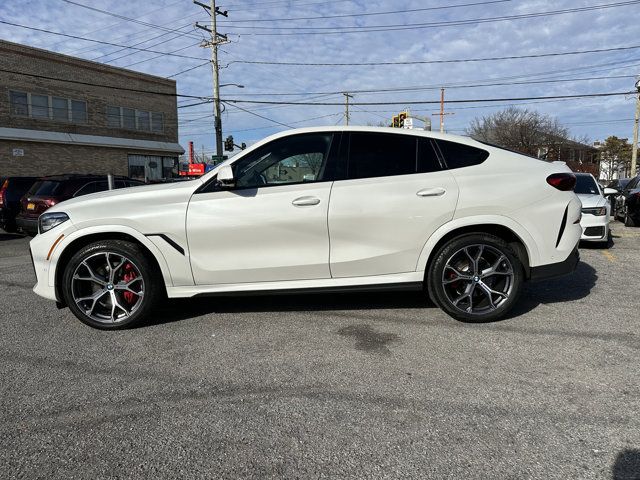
{"points": [[411, 10], [412, 26], [45, 77], [424, 62], [258, 115], [122, 17], [427, 102], [189, 69], [97, 41]]}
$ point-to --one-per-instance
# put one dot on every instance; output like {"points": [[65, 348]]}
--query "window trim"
{"points": [[333, 156], [136, 114], [50, 116]]}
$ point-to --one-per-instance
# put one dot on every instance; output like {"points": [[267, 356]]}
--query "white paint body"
{"points": [[589, 220], [362, 232]]}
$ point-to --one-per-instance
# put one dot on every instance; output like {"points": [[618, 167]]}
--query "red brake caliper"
{"points": [[129, 274]]}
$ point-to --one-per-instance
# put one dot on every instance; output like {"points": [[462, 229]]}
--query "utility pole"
{"points": [[216, 39], [442, 113], [634, 148], [346, 107]]}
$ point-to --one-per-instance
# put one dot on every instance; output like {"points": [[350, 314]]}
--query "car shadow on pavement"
{"points": [[564, 289], [627, 465]]}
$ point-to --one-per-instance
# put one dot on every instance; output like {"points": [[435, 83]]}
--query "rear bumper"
{"points": [[556, 269], [27, 225]]}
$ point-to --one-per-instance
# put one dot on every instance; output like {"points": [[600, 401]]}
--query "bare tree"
{"points": [[518, 129]]}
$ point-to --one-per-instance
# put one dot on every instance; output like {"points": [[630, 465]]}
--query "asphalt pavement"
{"points": [[328, 385]]}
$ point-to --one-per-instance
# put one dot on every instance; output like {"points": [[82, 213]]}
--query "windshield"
{"points": [[586, 184]]}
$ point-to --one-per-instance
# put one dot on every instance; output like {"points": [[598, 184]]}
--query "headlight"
{"points": [[598, 211], [47, 221]]}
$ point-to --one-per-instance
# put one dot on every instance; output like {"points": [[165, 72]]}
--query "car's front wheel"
{"points": [[475, 277], [111, 284]]}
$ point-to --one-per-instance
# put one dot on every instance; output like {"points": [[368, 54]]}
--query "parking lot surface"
{"points": [[328, 386]]}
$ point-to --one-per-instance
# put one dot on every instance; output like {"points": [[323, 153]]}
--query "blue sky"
{"points": [[255, 30]]}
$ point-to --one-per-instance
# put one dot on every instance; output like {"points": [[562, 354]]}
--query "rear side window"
{"points": [[427, 159], [633, 183], [457, 155], [381, 155], [47, 188]]}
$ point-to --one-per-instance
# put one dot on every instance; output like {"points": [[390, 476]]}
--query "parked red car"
{"points": [[49, 191]]}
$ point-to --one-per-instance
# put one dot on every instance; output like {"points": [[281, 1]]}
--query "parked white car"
{"points": [[596, 209], [319, 209]]}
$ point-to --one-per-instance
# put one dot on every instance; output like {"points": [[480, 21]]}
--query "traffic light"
{"points": [[394, 121], [228, 144], [401, 118]]}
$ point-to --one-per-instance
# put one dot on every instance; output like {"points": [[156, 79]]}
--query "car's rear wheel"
{"points": [[475, 278], [111, 284], [629, 221]]}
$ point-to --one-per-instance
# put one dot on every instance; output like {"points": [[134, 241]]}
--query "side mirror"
{"points": [[610, 191], [225, 176]]}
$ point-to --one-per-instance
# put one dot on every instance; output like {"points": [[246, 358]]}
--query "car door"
{"points": [[272, 225], [395, 195]]}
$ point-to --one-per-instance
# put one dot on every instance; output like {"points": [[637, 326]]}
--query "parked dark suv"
{"points": [[49, 191], [11, 191], [629, 203]]}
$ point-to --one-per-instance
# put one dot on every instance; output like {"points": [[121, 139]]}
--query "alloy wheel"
{"points": [[478, 279], [108, 287]]}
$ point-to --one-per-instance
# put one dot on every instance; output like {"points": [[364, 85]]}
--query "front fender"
{"points": [[76, 234]]}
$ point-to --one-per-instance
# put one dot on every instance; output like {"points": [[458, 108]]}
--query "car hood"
{"points": [[136, 207], [590, 201]]}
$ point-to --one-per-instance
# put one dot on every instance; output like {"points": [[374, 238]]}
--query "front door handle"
{"points": [[431, 192], [306, 201]]}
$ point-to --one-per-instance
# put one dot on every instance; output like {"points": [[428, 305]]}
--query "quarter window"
{"points": [[296, 159], [457, 155], [381, 155]]}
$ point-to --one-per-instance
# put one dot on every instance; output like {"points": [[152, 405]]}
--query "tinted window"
{"points": [[457, 155], [632, 184], [381, 155], [295, 159], [586, 184], [87, 189], [47, 188], [427, 158]]}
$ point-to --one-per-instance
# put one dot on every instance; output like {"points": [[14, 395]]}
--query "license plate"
{"points": [[31, 206]]}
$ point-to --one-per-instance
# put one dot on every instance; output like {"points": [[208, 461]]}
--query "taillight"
{"points": [[562, 181], [3, 191], [50, 202]]}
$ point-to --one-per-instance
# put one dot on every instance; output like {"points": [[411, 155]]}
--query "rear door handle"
{"points": [[306, 201], [431, 192]]}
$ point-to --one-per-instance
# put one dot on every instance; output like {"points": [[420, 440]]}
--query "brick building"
{"points": [[61, 114]]}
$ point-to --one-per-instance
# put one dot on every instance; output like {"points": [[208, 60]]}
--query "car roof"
{"points": [[76, 176]]}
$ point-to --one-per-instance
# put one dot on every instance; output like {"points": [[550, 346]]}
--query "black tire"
{"points": [[145, 278], [441, 294], [629, 221]]}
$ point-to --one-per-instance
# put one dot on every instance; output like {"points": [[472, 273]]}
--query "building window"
{"points": [[131, 119], [60, 108], [39, 106], [79, 111], [144, 122], [48, 107], [113, 117], [157, 122], [19, 103]]}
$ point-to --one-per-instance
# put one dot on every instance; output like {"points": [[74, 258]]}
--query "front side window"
{"points": [[295, 159], [381, 155]]}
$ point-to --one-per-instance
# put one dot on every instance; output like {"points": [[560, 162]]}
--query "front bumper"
{"points": [[27, 225], [594, 228], [554, 270]]}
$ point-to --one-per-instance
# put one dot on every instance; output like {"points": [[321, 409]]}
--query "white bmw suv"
{"points": [[319, 209]]}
